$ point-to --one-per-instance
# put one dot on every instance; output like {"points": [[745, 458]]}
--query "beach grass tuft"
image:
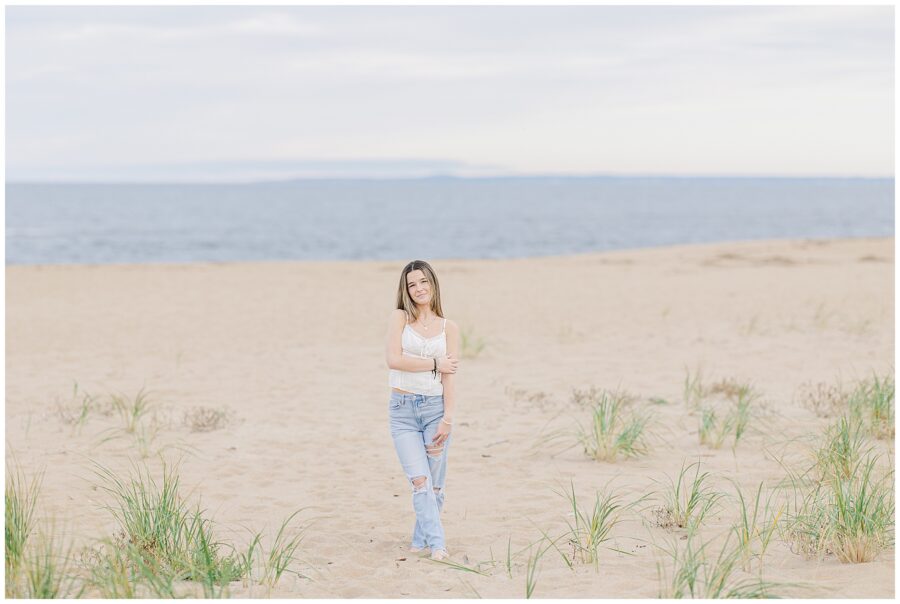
{"points": [[716, 426], [693, 388], [79, 409], [167, 533], [851, 517], [872, 403], [131, 409], [697, 573], [21, 500], [277, 560], [47, 571], [757, 523], [687, 500], [843, 445], [120, 570], [614, 431], [532, 565], [591, 526]]}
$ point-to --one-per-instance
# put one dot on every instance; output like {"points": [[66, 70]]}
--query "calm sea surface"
{"points": [[427, 218]]}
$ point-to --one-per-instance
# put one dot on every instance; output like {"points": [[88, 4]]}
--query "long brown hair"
{"points": [[404, 302]]}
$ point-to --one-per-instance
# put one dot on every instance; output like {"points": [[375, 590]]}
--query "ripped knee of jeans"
{"points": [[419, 484]]}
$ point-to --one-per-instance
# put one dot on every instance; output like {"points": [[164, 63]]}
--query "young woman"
{"points": [[422, 350]]}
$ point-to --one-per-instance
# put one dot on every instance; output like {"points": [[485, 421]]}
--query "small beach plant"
{"points": [[841, 448], [76, 413], [131, 410], [282, 554], [206, 419], [591, 526], [159, 523], [613, 431], [693, 388], [713, 427], [20, 499], [532, 566], [872, 403], [697, 574], [757, 523], [823, 399], [862, 514], [742, 413], [687, 500], [121, 570], [47, 570], [716, 426], [852, 518]]}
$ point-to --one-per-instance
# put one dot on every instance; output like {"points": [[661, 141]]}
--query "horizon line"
{"points": [[438, 176]]}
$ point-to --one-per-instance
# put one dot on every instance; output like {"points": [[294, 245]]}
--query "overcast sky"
{"points": [[236, 93]]}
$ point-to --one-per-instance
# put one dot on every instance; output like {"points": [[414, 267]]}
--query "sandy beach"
{"points": [[292, 353]]}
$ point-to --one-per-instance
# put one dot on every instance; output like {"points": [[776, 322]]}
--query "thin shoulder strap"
{"points": [[444, 326], [407, 317]]}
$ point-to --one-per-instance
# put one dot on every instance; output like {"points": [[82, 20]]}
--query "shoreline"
{"points": [[748, 243]]}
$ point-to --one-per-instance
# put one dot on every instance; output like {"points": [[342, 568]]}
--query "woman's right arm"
{"points": [[394, 351]]}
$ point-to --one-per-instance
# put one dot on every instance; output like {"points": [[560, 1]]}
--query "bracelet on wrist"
{"points": [[446, 422]]}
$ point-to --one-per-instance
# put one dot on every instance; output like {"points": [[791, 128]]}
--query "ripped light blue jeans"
{"points": [[414, 422]]}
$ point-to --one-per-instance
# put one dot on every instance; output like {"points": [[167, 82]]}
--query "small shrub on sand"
{"points": [[825, 400], [686, 500], [731, 389], [206, 419], [613, 431], [592, 396], [852, 518]]}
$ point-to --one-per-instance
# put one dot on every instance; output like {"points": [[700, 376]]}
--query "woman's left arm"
{"points": [[449, 382]]}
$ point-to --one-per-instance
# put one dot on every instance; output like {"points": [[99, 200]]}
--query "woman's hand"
{"points": [[447, 364], [442, 434]]}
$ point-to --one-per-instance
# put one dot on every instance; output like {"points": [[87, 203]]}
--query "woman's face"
{"points": [[418, 286]]}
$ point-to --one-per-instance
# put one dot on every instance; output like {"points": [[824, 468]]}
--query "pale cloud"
{"points": [[780, 90]]}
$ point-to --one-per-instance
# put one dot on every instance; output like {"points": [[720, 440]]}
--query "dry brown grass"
{"points": [[207, 419]]}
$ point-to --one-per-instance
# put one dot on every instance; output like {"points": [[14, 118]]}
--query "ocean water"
{"points": [[427, 218]]}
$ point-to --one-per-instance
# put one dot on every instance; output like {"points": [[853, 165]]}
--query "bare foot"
{"points": [[416, 550], [439, 554]]}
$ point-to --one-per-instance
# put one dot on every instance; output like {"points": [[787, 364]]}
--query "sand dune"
{"points": [[294, 352]]}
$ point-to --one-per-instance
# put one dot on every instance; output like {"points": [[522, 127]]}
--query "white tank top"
{"points": [[415, 345]]}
